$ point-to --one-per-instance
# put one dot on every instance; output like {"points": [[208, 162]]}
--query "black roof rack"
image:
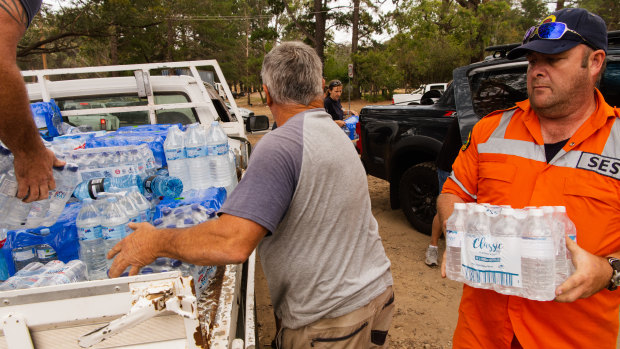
{"points": [[500, 51]]}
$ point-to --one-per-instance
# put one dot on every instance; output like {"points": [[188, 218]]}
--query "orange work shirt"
{"points": [[504, 164]]}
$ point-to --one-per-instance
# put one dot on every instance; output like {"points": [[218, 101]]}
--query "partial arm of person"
{"points": [[445, 206], [592, 274], [226, 240], [33, 162]]}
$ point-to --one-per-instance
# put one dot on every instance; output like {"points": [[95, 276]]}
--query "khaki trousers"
{"points": [[366, 327]]}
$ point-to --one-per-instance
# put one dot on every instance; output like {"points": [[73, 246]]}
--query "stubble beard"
{"points": [[560, 102]]}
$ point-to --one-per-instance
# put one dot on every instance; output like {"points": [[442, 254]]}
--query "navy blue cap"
{"points": [[590, 26]]}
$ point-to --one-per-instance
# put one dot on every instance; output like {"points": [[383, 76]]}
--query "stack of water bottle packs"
{"points": [[520, 252], [107, 183]]}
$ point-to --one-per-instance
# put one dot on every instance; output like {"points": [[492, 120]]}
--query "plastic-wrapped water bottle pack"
{"points": [[37, 274], [518, 252], [183, 216], [18, 214], [112, 161]]}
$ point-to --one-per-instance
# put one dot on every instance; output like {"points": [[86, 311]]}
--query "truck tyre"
{"points": [[418, 195]]}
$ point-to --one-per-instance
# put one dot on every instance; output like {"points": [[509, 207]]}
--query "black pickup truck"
{"points": [[400, 143]]}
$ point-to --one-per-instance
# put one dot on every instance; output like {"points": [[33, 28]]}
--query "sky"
{"points": [[344, 36]]}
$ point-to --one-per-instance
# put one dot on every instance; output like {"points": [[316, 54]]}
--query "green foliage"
{"points": [[431, 37]]}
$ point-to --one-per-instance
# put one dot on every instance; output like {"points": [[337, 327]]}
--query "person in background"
{"points": [[557, 148], [332, 103], [448, 152], [329, 277], [32, 161]]}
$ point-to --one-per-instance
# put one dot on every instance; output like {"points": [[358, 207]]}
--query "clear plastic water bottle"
{"points": [[92, 249], [66, 181], [128, 206], [164, 186], [24, 255], [218, 157], [537, 257], [233, 172], [15, 210], [174, 147], [506, 230], [113, 225], [45, 252], [455, 233], [477, 228], [195, 147], [93, 187], [38, 211], [143, 206], [569, 231]]}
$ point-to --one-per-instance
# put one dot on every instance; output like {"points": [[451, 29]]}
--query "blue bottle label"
{"points": [[195, 152], [91, 233], [175, 154], [219, 149], [46, 253], [115, 232]]}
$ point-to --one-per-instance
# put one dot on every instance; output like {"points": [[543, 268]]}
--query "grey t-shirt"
{"points": [[323, 257], [31, 7]]}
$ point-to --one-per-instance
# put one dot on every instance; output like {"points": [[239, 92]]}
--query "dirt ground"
{"points": [[426, 305]]}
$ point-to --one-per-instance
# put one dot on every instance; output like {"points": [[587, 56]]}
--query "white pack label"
{"points": [[492, 259], [537, 247]]}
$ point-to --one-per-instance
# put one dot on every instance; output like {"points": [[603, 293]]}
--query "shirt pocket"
{"points": [[495, 180], [593, 204]]}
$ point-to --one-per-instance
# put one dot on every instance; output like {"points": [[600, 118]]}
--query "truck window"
{"points": [[498, 89], [114, 119], [610, 83]]}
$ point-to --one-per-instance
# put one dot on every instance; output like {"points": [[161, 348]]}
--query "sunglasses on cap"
{"points": [[334, 84], [551, 31]]}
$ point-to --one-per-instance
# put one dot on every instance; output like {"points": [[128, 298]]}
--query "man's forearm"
{"points": [[18, 130], [226, 240]]}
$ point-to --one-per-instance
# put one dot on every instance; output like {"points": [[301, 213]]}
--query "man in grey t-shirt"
{"points": [[318, 242]]}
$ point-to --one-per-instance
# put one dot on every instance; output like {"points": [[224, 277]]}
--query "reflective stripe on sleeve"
{"points": [[453, 177]]}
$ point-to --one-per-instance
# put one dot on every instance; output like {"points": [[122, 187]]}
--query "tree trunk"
{"points": [[319, 28], [559, 5], [354, 42]]}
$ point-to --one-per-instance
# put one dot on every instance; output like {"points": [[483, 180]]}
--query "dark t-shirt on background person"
{"points": [[333, 108]]}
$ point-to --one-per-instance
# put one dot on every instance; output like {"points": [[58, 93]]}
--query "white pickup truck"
{"points": [[416, 96], [144, 311]]}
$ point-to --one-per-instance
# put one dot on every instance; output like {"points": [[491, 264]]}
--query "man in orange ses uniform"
{"points": [[559, 147]]}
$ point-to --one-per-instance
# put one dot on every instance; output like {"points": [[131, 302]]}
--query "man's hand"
{"points": [[34, 174], [138, 249], [340, 123], [592, 274]]}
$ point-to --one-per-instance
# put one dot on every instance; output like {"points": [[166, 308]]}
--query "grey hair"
{"points": [[292, 72]]}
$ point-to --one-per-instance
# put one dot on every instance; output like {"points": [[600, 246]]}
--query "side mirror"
{"points": [[257, 123]]}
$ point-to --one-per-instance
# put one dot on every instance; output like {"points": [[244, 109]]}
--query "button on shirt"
{"points": [[505, 164]]}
